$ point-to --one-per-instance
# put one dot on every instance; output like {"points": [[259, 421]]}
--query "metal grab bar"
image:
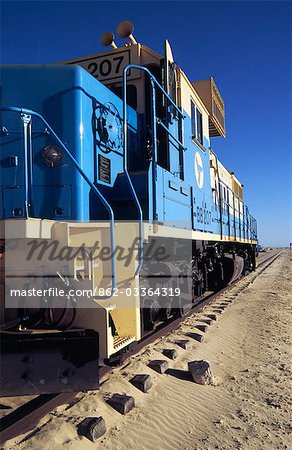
{"points": [[28, 112], [27, 129]]}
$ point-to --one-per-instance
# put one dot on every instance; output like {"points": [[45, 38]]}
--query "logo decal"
{"points": [[199, 170], [107, 126]]}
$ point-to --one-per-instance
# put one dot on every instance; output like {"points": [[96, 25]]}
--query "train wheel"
{"points": [[183, 308], [166, 312], [151, 311]]}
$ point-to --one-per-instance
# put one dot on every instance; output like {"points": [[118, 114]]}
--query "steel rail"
{"points": [[26, 417], [198, 307]]}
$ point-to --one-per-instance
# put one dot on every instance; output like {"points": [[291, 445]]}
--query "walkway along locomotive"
{"points": [[109, 188]]}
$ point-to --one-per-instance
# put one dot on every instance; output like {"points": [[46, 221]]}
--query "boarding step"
{"points": [[122, 341]]}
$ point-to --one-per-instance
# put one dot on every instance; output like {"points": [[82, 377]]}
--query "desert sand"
{"points": [[247, 407]]}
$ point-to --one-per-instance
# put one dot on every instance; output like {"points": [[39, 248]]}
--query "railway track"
{"points": [[26, 417]]}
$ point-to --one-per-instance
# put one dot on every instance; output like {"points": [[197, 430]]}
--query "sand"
{"points": [[247, 407]]}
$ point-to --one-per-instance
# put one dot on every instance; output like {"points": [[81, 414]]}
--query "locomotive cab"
{"points": [[140, 92]]}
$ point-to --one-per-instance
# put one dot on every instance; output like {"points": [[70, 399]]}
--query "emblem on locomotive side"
{"points": [[107, 124], [199, 170]]}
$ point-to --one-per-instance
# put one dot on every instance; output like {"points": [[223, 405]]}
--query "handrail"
{"points": [[24, 111], [152, 77], [125, 168], [154, 83]]}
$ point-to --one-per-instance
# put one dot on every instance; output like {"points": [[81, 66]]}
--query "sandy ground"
{"points": [[246, 408]]}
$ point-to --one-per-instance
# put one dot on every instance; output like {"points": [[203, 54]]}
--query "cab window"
{"points": [[197, 123]]}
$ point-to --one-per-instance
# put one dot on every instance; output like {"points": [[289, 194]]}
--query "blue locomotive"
{"points": [[116, 214]]}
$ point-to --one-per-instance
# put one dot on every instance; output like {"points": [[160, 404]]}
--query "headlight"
{"points": [[52, 155]]}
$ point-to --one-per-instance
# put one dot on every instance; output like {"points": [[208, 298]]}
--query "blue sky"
{"points": [[245, 46]]}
